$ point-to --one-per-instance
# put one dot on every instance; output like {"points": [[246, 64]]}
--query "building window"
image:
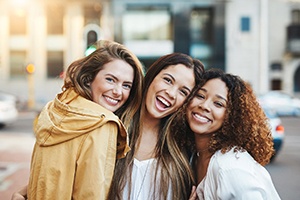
{"points": [[17, 64], [296, 17], [276, 84], [201, 30], [18, 21], [146, 28], [245, 24], [92, 14], [55, 18], [276, 66], [54, 64]]}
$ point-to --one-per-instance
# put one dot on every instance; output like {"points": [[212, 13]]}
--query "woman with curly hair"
{"points": [[229, 137]]}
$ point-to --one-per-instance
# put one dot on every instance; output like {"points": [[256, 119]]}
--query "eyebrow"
{"points": [[219, 96], [185, 87], [109, 74]]}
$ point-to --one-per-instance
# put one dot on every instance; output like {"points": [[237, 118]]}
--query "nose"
{"points": [[204, 105], [117, 90], [171, 92]]}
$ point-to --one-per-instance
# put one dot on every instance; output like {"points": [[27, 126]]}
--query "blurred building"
{"points": [[249, 38]]}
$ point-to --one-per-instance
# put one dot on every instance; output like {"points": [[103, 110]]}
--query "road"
{"points": [[286, 167], [17, 140]]}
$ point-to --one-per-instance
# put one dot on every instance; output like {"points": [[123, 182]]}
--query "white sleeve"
{"points": [[240, 184]]}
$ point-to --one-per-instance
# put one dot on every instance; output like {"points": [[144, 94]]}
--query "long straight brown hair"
{"points": [[171, 159]]}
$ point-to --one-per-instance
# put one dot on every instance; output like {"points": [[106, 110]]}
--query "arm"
{"points": [[20, 195]]}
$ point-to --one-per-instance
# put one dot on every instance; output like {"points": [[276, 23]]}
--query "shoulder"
{"points": [[237, 174], [236, 166], [233, 160]]}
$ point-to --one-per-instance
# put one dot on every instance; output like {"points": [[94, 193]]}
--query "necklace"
{"points": [[143, 181], [201, 151]]}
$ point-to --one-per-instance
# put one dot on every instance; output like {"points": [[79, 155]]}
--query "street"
{"points": [[285, 168], [17, 140]]}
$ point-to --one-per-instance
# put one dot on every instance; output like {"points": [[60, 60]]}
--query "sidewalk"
{"points": [[15, 155]]}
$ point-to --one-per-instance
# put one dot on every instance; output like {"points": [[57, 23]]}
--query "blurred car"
{"points": [[277, 129], [282, 103], [8, 109]]}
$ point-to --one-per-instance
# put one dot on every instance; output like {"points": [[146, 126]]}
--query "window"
{"points": [[55, 16], [245, 24], [296, 17], [276, 84], [146, 28], [17, 64], [18, 21], [276, 66], [54, 64], [202, 34]]}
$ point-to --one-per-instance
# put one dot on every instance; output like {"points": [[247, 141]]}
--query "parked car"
{"points": [[277, 129], [8, 109], [282, 103]]}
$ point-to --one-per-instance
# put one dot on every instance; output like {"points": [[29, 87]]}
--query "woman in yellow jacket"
{"points": [[80, 133]]}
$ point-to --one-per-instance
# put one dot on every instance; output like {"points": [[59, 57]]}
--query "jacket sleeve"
{"points": [[96, 162], [51, 174]]}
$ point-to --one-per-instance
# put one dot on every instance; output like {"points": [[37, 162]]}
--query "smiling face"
{"points": [[168, 90], [206, 112], [111, 86]]}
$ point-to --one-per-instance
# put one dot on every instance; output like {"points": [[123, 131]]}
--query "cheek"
{"points": [[126, 94], [221, 117], [179, 101]]}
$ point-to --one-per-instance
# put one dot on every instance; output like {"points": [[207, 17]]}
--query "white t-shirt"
{"points": [[142, 180], [236, 176]]}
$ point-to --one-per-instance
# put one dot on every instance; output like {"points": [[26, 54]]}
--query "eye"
{"points": [[219, 104], [167, 79], [184, 92], [200, 96], [109, 79], [127, 86]]}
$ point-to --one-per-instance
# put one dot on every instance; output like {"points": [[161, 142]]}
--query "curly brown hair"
{"points": [[245, 126]]}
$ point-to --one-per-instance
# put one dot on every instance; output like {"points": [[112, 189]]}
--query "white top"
{"points": [[142, 180], [236, 176]]}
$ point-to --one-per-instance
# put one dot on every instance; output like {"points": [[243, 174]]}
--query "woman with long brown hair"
{"points": [[154, 168]]}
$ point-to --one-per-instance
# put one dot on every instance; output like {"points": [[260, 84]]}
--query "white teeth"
{"points": [[163, 101], [203, 119], [114, 101]]}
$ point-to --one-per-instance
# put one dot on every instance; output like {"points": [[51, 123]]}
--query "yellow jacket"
{"points": [[77, 143]]}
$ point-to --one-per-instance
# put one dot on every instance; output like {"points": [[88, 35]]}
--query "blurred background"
{"points": [[258, 40]]}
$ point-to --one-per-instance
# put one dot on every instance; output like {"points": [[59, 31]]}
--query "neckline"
{"points": [[141, 161]]}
